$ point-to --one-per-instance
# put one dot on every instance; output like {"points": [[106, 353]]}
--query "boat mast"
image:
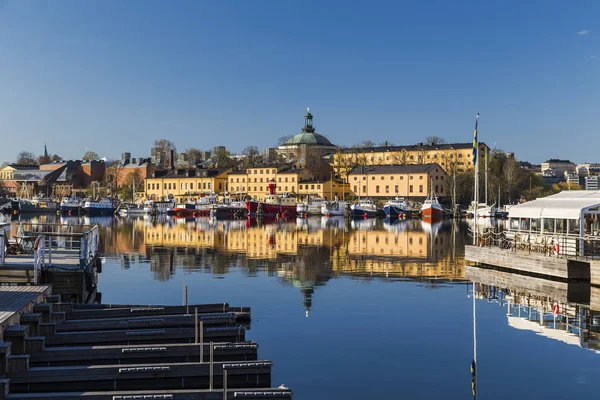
{"points": [[486, 177], [476, 191]]}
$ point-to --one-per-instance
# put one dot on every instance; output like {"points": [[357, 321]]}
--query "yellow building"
{"points": [[184, 183], [452, 157], [385, 181], [329, 190], [255, 181]]}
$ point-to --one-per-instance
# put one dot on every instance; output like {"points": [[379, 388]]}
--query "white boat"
{"points": [[159, 206], [312, 206], [99, 207], [70, 205], [363, 208], [482, 211], [396, 207], [132, 209], [333, 208]]}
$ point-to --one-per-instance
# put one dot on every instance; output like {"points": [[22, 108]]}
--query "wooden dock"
{"points": [[16, 300], [130, 352]]}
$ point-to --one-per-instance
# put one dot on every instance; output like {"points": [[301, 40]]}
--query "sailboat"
{"points": [[479, 209]]}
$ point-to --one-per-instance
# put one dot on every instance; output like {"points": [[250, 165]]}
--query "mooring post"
{"points": [[196, 323], [187, 304], [210, 387], [182, 292], [201, 341], [224, 384]]}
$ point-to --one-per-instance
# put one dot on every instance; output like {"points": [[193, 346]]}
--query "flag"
{"points": [[475, 140]]}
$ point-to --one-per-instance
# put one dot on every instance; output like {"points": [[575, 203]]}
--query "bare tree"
{"points": [[252, 156], [26, 158], [165, 147], [434, 140], [284, 139], [194, 156], [90, 156]]}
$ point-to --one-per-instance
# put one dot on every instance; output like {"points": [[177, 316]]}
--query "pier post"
{"points": [[196, 324], [187, 304], [183, 293], [201, 341], [224, 384], [210, 387]]}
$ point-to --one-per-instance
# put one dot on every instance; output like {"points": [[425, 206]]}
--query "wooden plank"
{"points": [[171, 353], [143, 311], [190, 394], [145, 322], [251, 374], [144, 336]]}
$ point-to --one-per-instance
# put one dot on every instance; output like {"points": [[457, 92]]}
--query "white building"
{"points": [[558, 166]]}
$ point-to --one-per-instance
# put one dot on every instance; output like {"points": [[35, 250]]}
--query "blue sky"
{"points": [[113, 76]]}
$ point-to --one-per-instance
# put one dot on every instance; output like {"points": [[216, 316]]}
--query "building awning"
{"points": [[568, 204]]}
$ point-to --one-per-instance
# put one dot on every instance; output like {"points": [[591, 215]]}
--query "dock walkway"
{"points": [[15, 300]]}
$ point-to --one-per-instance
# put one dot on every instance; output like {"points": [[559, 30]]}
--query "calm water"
{"points": [[358, 310]]}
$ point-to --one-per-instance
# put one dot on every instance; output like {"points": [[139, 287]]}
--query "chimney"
{"points": [[172, 158]]}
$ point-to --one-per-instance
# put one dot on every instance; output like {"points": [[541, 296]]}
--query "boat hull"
{"points": [[228, 212], [360, 212], [99, 211], [72, 210], [432, 213], [394, 211], [268, 209]]}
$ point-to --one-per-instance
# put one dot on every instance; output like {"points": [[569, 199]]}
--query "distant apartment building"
{"points": [[123, 170], [254, 181], [572, 178], [558, 166], [451, 156], [585, 169], [386, 181], [592, 182]]}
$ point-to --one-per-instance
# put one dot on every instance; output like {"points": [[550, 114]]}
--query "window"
{"points": [[192, 186], [460, 155], [387, 188], [260, 180], [300, 187], [411, 178], [396, 188], [420, 188], [261, 171], [364, 189], [355, 178], [436, 188], [255, 188], [392, 177], [279, 179], [220, 185], [401, 178], [410, 188], [318, 186], [442, 177], [293, 179], [442, 189], [421, 177], [436, 177], [165, 186], [274, 171], [355, 189], [377, 189], [372, 178], [255, 180], [286, 188], [382, 177], [312, 186], [286, 179]]}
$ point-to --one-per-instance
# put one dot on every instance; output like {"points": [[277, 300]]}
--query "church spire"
{"points": [[45, 151]]}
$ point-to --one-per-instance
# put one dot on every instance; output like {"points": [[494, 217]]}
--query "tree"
{"points": [[194, 156], [127, 187], [222, 159], [27, 158], [113, 175], [317, 166], [44, 159], [252, 156], [284, 139], [90, 156], [434, 140], [165, 147], [56, 158], [364, 144], [342, 165]]}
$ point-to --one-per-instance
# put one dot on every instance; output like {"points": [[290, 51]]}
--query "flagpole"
{"points": [[476, 191]]}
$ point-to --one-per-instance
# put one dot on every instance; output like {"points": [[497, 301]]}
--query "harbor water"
{"points": [[357, 309]]}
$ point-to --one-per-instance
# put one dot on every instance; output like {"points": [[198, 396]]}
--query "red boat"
{"points": [[432, 210], [273, 205]]}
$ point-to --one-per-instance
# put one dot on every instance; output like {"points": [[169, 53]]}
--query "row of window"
{"points": [[237, 180], [263, 171], [401, 178], [438, 189], [184, 186], [412, 157]]}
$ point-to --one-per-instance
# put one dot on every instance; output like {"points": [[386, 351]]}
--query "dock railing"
{"points": [[558, 245], [83, 240]]}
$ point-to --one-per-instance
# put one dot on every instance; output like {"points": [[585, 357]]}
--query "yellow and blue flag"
{"points": [[475, 140]]}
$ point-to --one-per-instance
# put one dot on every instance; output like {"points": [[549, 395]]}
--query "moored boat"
{"points": [[102, 207], [70, 205], [312, 206], [333, 208], [363, 208], [131, 209], [273, 205], [432, 209], [229, 208], [159, 206], [396, 207]]}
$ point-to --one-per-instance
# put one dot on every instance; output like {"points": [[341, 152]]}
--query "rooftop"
{"points": [[568, 204], [558, 160]]}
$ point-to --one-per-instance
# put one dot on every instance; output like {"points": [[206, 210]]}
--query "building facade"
{"points": [[452, 157], [254, 181], [559, 167], [410, 181], [328, 189], [186, 183]]}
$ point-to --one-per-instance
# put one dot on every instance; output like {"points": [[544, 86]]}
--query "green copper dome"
{"points": [[311, 138]]}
